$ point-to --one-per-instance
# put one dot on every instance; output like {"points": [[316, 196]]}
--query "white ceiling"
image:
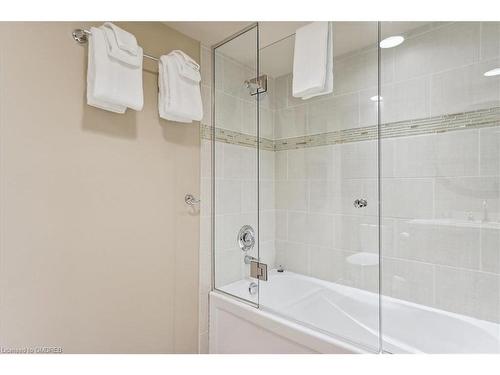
{"points": [[208, 33], [276, 39]]}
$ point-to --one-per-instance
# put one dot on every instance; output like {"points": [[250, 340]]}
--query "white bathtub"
{"points": [[300, 314]]}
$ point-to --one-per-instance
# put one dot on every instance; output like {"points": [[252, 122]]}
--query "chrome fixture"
{"points": [[258, 270], [257, 85], [253, 288], [81, 36], [280, 268], [191, 200], [246, 238], [249, 259], [360, 203]]}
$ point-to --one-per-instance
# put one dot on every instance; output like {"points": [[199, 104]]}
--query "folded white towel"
{"points": [[179, 96], [125, 40], [122, 45], [111, 84], [313, 60]]}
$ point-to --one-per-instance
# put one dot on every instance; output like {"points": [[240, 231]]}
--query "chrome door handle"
{"points": [[360, 203]]}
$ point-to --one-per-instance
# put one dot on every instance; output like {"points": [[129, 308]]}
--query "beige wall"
{"points": [[98, 252]]}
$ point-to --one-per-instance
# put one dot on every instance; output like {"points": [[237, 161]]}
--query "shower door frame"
{"points": [[213, 48]]}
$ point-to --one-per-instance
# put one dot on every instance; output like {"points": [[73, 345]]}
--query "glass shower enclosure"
{"points": [[370, 214]]}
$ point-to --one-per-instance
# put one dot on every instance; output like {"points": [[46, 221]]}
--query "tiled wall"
{"points": [[437, 170], [435, 250]]}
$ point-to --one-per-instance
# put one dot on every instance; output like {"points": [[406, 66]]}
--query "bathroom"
{"points": [[245, 209]]}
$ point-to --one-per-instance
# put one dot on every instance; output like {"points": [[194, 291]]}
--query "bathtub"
{"points": [[301, 314]]}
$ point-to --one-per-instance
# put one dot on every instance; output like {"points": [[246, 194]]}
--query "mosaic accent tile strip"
{"points": [[430, 125], [232, 137]]}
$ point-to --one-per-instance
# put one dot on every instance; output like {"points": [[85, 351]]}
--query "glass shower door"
{"points": [[235, 165], [441, 187], [318, 193]]}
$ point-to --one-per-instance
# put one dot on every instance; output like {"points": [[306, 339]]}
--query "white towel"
{"points": [[111, 84], [122, 45], [313, 60], [179, 97]]}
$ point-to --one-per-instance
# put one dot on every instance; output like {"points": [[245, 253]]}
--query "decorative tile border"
{"points": [[430, 125], [236, 138]]}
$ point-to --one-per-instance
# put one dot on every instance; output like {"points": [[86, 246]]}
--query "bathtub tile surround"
{"points": [[439, 168]]}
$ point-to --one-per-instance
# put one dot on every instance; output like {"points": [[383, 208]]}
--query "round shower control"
{"points": [[246, 238]]}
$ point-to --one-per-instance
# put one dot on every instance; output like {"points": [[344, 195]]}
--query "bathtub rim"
{"points": [[288, 329]]}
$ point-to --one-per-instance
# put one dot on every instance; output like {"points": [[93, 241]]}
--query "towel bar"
{"points": [[81, 36]]}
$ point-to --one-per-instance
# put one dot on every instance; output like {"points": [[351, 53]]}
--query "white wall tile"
{"points": [[465, 89], [267, 226], [290, 122], [235, 75], [438, 243], [356, 233], [490, 40], [281, 225], [294, 257], [359, 159], [313, 229], [228, 196], [461, 197], [315, 163], [489, 151], [490, 250], [449, 46], [228, 267], [434, 72], [249, 117], [436, 154], [266, 123], [280, 165], [407, 280], [267, 195], [322, 197], [281, 92], [407, 198], [405, 100], [346, 191], [249, 196], [292, 195], [228, 112], [356, 72], [267, 165], [332, 114]]}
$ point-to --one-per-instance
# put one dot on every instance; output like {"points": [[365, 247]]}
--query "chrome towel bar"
{"points": [[81, 36]]}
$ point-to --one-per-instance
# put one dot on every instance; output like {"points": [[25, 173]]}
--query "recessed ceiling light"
{"points": [[392, 41], [376, 98], [492, 72]]}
